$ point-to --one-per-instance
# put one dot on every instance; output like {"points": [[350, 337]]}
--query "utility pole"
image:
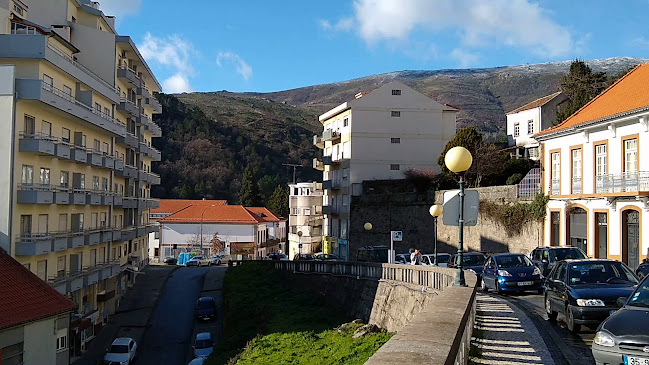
{"points": [[294, 168]]}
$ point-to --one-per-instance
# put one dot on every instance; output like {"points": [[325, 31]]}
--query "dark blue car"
{"points": [[511, 273], [643, 269]]}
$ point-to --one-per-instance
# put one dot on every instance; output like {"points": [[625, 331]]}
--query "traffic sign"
{"points": [[299, 245], [451, 212], [397, 236]]}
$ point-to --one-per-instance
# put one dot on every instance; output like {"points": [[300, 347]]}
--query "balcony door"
{"points": [[578, 228], [601, 235], [631, 238]]}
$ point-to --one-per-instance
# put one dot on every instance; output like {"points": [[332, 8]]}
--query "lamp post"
{"points": [[299, 246], [458, 160], [435, 211], [209, 206]]}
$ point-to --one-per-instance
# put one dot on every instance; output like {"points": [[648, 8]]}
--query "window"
{"points": [[102, 219], [555, 172], [113, 253], [96, 145], [631, 155], [19, 10], [396, 92], [46, 129], [12, 354], [395, 114], [30, 124], [93, 257], [25, 225], [517, 130], [104, 184], [77, 222], [530, 127], [93, 220], [106, 112], [345, 122], [43, 223], [61, 340], [28, 174], [65, 135], [98, 108], [65, 179], [45, 176], [576, 164], [102, 258], [95, 183], [600, 160], [63, 222], [48, 82], [41, 269], [104, 148], [60, 266], [394, 167], [395, 140]]}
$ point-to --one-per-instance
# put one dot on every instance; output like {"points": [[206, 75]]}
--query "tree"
{"points": [[580, 85], [267, 185], [468, 138], [278, 202], [216, 244], [249, 194]]}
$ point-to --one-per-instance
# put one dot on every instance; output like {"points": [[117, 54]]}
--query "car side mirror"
{"points": [[621, 301]]}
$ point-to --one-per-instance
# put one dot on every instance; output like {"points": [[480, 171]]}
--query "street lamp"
{"points": [[367, 226], [435, 211], [458, 160], [209, 206], [299, 246]]}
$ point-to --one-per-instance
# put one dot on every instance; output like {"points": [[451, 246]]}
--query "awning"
{"points": [[105, 295]]}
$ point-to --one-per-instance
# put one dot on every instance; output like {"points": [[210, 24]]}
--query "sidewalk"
{"points": [[132, 315], [506, 335]]}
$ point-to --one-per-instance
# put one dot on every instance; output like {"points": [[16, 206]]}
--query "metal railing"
{"points": [[626, 182], [38, 136], [125, 67], [555, 187], [83, 68], [529, 186], [576, 185]]}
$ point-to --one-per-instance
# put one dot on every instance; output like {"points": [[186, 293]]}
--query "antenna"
{"points": [[294, 167]]}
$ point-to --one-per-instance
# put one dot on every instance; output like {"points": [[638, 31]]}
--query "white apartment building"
{"points": [[529, 119], [595, 175], [376, 136], [305, 205]]}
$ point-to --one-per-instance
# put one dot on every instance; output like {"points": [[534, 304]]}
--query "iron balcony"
{"points": [[626, 182]]}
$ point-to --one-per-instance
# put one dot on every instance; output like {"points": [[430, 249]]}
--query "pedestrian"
{"points": [[415, 257]]}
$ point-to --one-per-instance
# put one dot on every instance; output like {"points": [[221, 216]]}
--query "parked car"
{"points": [[472, 261], [303, 257], [546, 257], [277, 256], [373, 254], [643, 269], [205, 308], [328, 257], [442, 259], [585, 291], [170, 260], [623, 337], [215, 260], [121, 352], [203, 345], [511, 273], [197, 261], [197, 361], [402, 258]]}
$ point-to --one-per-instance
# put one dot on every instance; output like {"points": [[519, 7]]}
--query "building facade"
{"points": [[77, 102], [529, 119], [376, 136], [595, 175], [305, 220]]}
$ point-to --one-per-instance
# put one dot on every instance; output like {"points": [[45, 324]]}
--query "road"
{"points": [[574, 348], [169, 338]]}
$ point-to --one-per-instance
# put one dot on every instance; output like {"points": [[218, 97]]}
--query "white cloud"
{"points": [[120, 7], [464, 58], [173, 53], [241, 66], [479, 23], [325, 24], [344, 24], [640, 42]]}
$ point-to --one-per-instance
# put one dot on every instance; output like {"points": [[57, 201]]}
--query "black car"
{"points": [[205, 308], [546, 257], [327, 257], [471, 261], [623, 337], [303, 257], [643, 269], [585, 291], [373, 254], [170, 261]]}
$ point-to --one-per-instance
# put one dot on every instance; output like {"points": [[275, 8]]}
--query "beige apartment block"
{"points": [[305, 219], [76, 107]]}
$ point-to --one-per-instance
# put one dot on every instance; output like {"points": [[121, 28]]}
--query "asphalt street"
{"points": [[168, 340]]}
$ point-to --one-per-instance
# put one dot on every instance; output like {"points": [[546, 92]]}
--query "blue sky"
{"points": [[261, 45]]}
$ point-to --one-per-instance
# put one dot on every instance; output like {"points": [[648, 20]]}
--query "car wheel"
{"points": [[552, 315], [498, 290], [539, 291], [483, 286], [570, 321]]}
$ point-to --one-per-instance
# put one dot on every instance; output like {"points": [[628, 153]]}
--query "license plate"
{"points": [[632, 360], [524, 283]]}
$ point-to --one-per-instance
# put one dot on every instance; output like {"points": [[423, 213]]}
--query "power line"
{"points": [[294, 168]]}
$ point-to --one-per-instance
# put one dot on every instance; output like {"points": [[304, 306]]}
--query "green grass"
{"points": [[270, 323]]}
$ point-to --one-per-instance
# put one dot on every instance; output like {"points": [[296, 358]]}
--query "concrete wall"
{"points": [[97, 50], [183, 233], [6, 154]]}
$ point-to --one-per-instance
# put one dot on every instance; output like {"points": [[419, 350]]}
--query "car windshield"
{"points": [[600, 273], [203, 344], [513, 261], [205, 304], [118, 349], [473, 260], [442, 259], [567, 253], [640, 298], [406, 257]]}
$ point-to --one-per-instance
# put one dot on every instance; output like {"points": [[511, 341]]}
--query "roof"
{"points": [[536, 103], [25, 297], [174, 205], [209, 214], [628, 94], [122, 341], [265, 214]]}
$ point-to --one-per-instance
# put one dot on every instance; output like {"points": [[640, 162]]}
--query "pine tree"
{"points": [[249, 194], [278, 201], [580, 85]]}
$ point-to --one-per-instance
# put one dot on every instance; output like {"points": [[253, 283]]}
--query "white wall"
{"points": [[522, 118], [40, 342], [183, 233]]}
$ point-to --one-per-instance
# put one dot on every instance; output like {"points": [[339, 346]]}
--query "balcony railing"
{"points": [[83, 68], [576, 185], [555, 187], [626, 182]]}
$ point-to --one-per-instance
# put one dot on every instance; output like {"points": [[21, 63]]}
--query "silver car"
{"points": [[198, 261]]}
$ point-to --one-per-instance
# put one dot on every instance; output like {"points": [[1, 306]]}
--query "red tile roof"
{"points": [[24, 297], [216, 214], [174, 205], [265, 214], [536, 103], [627, 94]]}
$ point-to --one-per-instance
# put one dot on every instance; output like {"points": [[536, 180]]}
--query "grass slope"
{"points": [[269, 323]]}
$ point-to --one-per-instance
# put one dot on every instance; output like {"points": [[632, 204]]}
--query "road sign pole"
{"points": [[391, 256], [459, 280]]}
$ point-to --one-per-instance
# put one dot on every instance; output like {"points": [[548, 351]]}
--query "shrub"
{"points": [[423, 180], [514, 179], [512, 217]]}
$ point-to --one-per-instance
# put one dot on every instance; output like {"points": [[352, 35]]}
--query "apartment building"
{"points": [[595, 175], [305, 219], [76, 105], [529, 119], [376, 136]]}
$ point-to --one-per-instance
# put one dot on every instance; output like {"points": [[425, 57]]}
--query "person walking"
{"points": [[415, 257]]}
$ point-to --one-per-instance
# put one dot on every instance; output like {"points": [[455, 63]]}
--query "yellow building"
{"points": [[76, 108]]}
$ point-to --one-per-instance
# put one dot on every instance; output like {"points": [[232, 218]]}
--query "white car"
{"points": [[442, 259], [197, 261], [121, 352], [402, 258], [203, 345]]}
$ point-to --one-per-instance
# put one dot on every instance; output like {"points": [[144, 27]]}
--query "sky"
{"points": [[263, 46]]}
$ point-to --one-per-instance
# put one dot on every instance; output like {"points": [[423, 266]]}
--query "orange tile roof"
{"points": [[25, 297], [216, 214], [536, 103], [266, 214], [627, 94], [174, 205]]}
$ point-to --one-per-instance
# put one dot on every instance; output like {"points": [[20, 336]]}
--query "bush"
{"points": [[512, 217], [422, 180], [514, 179]]}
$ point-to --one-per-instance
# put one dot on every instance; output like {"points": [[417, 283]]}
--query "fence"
{"points": [[530, 185]]}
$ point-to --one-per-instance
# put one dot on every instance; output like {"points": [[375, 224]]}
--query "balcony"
{"points": [[92, 236], [105, 295], [90, 276], [117, 234], [318, 141], [63, 150], [153, 179], [330, 135], [154, 104], [129, 107], [129, 139], [108, 162], [129, 202], [60, 242], [128, 233], [128, 171], [331, 185], [143, 92], [330, 210], [35, 194], [33, 244], [78, 196], [36, 89], [79, 154], [626, 182], [318, 165], [555, 187], [106, 235], [37, 143], [155, 129], [576, 185], [62, 195], [93, 197], [95, 158], [76, 238], [128, 74], [119, 165]]}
